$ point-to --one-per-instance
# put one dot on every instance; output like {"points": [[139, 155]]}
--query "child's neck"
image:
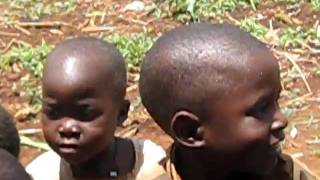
{"points": [[191, 164], [104, 163]]}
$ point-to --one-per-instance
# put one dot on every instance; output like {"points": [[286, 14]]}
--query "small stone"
{"points": [[294, 132], [134, 6]]}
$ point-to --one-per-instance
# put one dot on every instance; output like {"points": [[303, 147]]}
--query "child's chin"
{"points": [[72, 158], [267, 167]]}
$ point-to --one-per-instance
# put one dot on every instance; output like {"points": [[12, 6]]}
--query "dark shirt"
{"points": [[286, 169]]}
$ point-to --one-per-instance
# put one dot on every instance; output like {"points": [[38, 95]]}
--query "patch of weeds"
{"points": [[316, 153], [313, 34], [309, 119], [288, 112], [296, 37], [315, 71], [30, 58], [288, 1], [290, 37], [33, 91], [35, 9], [193, 10], [133, 47], [256, 29], [295, 93], [315, 3]]}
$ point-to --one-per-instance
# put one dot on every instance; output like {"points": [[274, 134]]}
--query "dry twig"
{"points": [[43, 24], [23, 30], [9, 34], [311, 142], [30, 131], [91, 29], [14, 41], [291, 59]]}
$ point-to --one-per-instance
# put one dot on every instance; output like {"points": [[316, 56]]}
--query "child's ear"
{"points": [[187, 129], [123, 114]]}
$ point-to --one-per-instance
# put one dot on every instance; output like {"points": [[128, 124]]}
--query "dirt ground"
{"points": [[305, 145]]}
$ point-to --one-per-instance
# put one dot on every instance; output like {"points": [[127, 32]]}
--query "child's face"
{"points": [[246, 124], [79, 116]]}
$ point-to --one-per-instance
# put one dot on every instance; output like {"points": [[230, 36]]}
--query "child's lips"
{"points": [[68, 148]]}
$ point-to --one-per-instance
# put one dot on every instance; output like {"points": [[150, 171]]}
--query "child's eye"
{"points": [[86, 113], [262, 110], [52, 113]]}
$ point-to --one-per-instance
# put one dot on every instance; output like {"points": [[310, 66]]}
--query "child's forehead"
{"points": [[76, 76]]}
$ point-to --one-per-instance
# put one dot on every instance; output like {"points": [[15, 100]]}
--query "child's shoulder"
{"points": [[148, 160], [45, 166], [289, 168]]}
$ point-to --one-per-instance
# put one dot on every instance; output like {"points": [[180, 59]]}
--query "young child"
{"points": [[215, 90], [9, 137], [10, 168], [84, 85]]}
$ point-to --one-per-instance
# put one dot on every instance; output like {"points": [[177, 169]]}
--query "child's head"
{"points": [[214, 88], [84, 85], [10, 168], [9, 137]]}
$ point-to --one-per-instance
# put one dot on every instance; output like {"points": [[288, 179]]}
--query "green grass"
{"points": [[288, 1], [202, 10], [30, 58], [256, 29], [34, 9], [289, 37], [315, 3], [133, 47]]}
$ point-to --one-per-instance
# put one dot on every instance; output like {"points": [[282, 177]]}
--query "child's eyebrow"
{"points": [[264, 97]]}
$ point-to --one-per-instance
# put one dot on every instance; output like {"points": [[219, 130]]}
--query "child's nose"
{"points": [[280, 121], [69, 129]]}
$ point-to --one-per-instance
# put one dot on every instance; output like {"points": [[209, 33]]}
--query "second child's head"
{"points": [[84, 85], [10, 168], [214, 89], [9, 136]]}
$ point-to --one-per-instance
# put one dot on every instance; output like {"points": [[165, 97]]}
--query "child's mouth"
{"points": [[69, 148]]}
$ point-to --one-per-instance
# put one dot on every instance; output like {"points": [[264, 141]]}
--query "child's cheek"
{"points": [[254, 131]]}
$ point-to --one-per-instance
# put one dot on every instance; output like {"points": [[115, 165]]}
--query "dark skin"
{"points": [[80, 113], [10, 168], [9, 140], [214, 88], [251, 127]]}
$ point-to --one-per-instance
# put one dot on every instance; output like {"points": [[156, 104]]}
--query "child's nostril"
{"points": [[69, 134]]}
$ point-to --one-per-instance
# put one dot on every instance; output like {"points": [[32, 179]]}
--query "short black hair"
{"points": [[10, 168], [9, 136], [107, 55], [191, 63]]}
